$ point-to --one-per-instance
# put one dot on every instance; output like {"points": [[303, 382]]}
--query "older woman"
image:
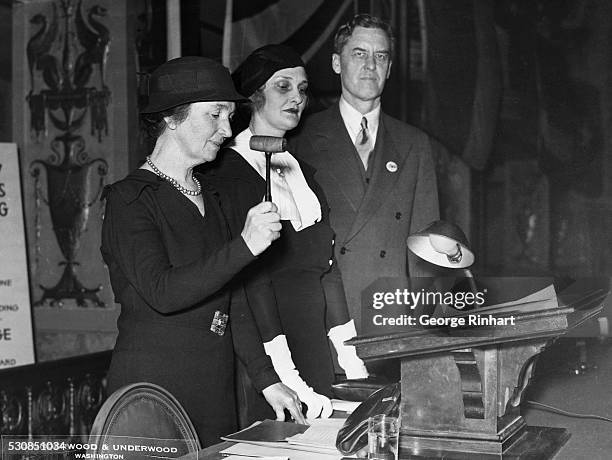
{"points": [[170, 257], [296, 298]]}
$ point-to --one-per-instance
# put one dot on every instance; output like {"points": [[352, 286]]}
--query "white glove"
{"points": [[278, 350], [347, 356]]}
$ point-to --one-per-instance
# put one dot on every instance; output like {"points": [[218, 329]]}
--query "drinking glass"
{"points": [[383, 437]]}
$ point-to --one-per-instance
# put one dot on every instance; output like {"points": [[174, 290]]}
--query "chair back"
{"points": [[143, 418]]}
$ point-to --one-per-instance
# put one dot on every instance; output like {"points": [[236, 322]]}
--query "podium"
{"points": [[462, 386]]}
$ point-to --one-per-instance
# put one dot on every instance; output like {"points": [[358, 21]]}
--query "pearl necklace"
{"points": [[174, 182]]}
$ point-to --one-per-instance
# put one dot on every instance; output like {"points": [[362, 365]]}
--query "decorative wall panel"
{"points": [[74, 107]]}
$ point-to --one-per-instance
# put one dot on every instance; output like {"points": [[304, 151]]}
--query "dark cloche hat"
{"points": [[261, 64], [189, 79]]}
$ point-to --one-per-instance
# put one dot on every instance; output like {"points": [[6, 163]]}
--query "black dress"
{"points": [[286, 287], [169, 270]]}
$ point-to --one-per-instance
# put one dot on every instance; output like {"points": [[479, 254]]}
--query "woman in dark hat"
{"points": [[296, 297], [170, 257]]}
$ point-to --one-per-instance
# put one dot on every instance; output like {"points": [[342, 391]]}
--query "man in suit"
{"points": [[376, 171]]}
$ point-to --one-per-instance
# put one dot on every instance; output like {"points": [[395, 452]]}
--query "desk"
{"points": [[554, 385]]}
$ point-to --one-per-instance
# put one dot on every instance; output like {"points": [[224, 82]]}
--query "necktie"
{"points": [[363, 143]]}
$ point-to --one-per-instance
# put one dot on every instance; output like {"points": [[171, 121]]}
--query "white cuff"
{"points": [[347, 355], [278, 351]]}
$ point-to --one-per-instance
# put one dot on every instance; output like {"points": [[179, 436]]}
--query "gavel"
{"points": [[268, 145]]}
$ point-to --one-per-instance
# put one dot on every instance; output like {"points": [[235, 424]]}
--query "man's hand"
{"points": [[281, 397], [262, 226]]}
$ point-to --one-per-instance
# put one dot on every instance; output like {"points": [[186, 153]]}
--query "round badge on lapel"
{"points": [[391, 166]]}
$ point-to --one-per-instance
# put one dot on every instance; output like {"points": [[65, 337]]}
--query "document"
{"points": [[345, 406], [250, 457], [253, 450], [318, 438], [321, 434]]}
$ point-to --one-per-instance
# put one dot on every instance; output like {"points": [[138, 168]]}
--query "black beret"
{"points": [[261, 64]]}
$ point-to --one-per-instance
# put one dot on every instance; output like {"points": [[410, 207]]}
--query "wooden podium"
{"points": [[462, 387]]}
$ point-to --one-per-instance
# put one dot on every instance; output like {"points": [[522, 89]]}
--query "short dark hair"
{"points": [[361, 20], [258, 98], [155, 124]]}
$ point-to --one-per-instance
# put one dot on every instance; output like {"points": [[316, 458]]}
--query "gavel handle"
{"points": [[268, 185]]}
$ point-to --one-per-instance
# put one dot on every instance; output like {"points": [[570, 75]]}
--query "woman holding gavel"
{"points": [[294, 290], [170, 257]]}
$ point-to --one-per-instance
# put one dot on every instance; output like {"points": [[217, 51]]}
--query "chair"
{"points": [[143, 418]]}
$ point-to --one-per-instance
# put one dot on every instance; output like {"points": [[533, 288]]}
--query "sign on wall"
{"points": [[16, 343]]}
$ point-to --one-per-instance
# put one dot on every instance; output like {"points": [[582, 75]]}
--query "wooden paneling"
{"points": [[55, 398]]}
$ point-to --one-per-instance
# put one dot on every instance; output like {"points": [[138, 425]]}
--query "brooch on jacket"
{"points": [[219, 322]]}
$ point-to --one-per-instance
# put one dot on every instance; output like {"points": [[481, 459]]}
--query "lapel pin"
{"points": [[391, 166]]}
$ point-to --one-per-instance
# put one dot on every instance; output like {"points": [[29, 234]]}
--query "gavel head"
{"points": [[270, 144]]}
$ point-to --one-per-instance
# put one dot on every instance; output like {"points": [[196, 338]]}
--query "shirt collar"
{"points": [[290, 192], [352, 119]]}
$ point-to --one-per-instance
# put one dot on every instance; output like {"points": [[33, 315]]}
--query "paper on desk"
{"points": [[546, 294], [329, 422], [254, 450], [321, 433], [345, 406], [250, 457]]}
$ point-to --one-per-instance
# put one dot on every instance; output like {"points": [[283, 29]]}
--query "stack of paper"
{"points": [[253, 450], [250, 457], [341, 405], [321, 435], [278, 438]]}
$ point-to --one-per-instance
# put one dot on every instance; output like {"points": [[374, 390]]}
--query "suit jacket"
{"points": [[372, 220]]}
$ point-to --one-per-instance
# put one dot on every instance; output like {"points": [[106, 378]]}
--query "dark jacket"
{"points": [[170, 268], [372, 219]]}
